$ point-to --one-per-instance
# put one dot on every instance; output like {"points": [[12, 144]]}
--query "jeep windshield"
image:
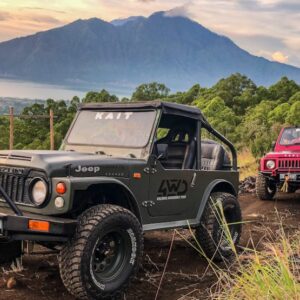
{"points": [[112, 128], [290, 136]]}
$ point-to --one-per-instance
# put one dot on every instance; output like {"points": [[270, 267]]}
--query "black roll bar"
{"points": [[225, 141]]}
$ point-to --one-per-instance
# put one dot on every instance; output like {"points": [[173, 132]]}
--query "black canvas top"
{"points": [[167, 107]]}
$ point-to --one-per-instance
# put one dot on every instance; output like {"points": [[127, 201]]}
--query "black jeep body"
{"points": [[148, 163]]}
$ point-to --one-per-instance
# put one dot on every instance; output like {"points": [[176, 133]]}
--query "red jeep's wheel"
{"points": [[265, 189]]}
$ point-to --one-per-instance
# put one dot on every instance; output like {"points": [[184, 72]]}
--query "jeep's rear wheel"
{"points": [[220, 228], [265, 188], [105, 254]]}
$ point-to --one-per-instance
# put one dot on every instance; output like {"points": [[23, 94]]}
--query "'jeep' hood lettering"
{"points": [[97, 170], [93, 169]]}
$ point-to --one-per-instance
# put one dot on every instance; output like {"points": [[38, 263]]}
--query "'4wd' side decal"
{"points": [[172, 190]]}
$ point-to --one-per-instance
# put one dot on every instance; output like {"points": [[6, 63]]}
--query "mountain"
{"points": [[174, 50]]}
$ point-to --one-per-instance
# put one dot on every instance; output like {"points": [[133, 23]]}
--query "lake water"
{"points": [[32, 90]]}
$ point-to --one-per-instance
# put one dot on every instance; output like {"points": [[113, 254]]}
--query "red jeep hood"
{"points": [[283, 154]]}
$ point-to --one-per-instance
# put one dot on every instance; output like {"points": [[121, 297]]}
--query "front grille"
{"points": [[16, 187], [289, 164], [15, 181]]}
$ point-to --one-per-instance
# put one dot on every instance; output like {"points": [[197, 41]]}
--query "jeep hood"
{"points": [[282, 154], [64, 163]]}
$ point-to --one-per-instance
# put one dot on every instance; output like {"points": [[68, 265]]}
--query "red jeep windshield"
{"points": [[107, 128], [290, 137]]}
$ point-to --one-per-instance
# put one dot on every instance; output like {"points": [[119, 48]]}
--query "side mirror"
{"points": [[161, 156], [153, 158]]}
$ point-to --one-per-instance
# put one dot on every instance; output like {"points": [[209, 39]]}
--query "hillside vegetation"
{"points": [[249, 115]]}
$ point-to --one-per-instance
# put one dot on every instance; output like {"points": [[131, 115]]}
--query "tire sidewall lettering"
{"points": [[133, 246]]}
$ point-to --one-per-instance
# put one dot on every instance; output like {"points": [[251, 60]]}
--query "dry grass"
{"points": [[271, 274], [247, 163]]}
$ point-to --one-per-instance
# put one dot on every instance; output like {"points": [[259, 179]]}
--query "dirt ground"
{"points": [[187, 275]]}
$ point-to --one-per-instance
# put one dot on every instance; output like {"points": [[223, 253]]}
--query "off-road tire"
{"points": [[76, 258], [265, 190], [292, 189], [9, 251], [209, 232]]}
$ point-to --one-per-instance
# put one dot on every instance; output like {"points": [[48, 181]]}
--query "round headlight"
{"points": [[39, 191], [270, 164]]}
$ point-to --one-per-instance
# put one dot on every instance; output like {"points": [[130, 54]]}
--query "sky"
{"points": [[268, 28]]}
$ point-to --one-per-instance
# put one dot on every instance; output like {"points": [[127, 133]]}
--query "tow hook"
{"points": [[285, 187]]}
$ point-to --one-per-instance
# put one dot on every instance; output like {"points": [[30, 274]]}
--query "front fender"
{"points": [[83, 184]]}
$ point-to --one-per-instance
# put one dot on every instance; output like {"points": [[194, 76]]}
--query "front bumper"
{"points": [[292, 177], [15, 227], [281, 176]]}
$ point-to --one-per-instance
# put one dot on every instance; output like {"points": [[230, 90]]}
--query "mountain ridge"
{"points": [[174, 50]]}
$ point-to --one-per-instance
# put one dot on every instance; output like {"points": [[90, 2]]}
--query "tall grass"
{"points": [[271, 274], [247, 163]]}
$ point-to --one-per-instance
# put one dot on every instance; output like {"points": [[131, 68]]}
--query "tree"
{"points": [[150, 91], [279, 113], [284, 89], [295, 98], [221, 117], [187, 97], [232, 87], [74, 105], [102, 96], [255, 130], [293, 116]]}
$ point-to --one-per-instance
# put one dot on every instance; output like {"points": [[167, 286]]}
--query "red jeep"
{"points": [[280, 169]]}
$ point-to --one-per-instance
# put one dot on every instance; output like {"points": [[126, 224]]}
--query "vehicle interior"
{"points": [[176, 146]]}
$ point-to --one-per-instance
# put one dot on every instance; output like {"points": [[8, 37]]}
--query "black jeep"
{"points": [[123, 169]]}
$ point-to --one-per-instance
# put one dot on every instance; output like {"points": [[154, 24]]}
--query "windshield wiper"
{"points": [[131, 155]]}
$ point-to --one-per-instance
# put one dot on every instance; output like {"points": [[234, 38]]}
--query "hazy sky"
{"points": [[269, 28]]}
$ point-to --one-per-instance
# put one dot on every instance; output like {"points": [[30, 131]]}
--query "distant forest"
{"points": [[249, 115]]}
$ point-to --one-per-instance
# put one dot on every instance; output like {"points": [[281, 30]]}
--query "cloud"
{"points": [[4, 16], [146, 1], [270, 5], [280, 57], [44, 9], [293, 42], [179, 11], [45, 19]]}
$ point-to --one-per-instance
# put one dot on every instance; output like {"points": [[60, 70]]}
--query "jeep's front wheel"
{"points": [[265, 188], [220, 228], [104, 255]]}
